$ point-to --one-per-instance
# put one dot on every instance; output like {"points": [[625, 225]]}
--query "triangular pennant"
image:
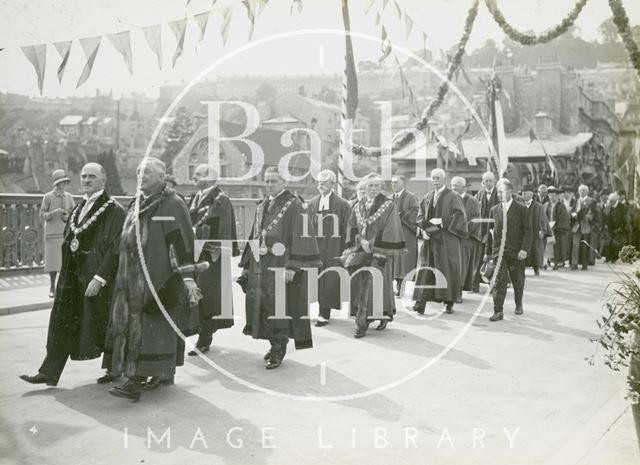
{"points": [[122, 43], [251, 13], [398, 10], [261, 5], [384, 4], [64, 49], [297, 3], [409, 24], [153, 34], [368, 6], [377, 18], [386, 45], [226, 23], [178, 27], [37, 55], [201, 20], [90, 46]]}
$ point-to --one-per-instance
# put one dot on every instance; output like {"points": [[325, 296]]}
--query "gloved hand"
{"points": [[193, 291]]}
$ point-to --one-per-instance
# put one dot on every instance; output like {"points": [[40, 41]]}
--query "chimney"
{"points": [[542, 125]]}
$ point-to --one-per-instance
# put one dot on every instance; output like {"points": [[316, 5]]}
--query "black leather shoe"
{"points": [[321, 323], [203, 349], [584, 267], [382, 325], [267, 357], [497, 316], [519, 310], [449, 308], [131, 390], [274, 362], [359, 334], [419, 308], [155, 382], [39, 379], [574, 267], [106, 378]]}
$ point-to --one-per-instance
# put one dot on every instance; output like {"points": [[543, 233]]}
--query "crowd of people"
{"points": [[123, 271]]}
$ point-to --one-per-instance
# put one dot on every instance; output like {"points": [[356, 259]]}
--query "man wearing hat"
{"points": [[78, 321], [583, 213], [54, 212], [560, 223]]}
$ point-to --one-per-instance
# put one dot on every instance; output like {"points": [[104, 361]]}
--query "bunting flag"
{"points": [[178, 27], [297, 3], [37, 55], [153, 34], [386, 45], [122, 43], [398, 10], [377, 18], [90, 46], [201, 20], [409, 24], [368, 5], [226, 22], [349, 99], [251, 13], [64, 49]]}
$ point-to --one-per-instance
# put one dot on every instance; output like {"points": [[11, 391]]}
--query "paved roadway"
{"points": [[523, 378]]}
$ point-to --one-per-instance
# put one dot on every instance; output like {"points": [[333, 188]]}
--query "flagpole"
{"points": [[349, 101]]}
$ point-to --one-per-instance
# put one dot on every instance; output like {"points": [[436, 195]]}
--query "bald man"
{"points": [[213, 219], [80, 312], [144, 347], [443, 220]]}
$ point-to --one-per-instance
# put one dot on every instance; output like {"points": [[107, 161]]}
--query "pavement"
{"points": [[24, 293], [448, 389]]}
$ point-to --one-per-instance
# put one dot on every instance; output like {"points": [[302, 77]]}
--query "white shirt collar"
{"points": [[204, 192], [507, 205], [398, 194], [488, 193], [92, 198], [327, 195], [439, 191], [273, 197], [463, 195]]}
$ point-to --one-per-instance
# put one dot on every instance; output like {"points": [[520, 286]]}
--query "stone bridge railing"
{"points": [[22, 239]]}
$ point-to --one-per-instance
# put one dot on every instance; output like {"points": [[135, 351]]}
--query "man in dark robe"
{"points": [[443, 220], [407, 205], [283, 251], [329, 214], [144, 343], [616, 223], [517, 243], [540, 230], [560, 223], [488, 198], [472, 251], [375, 233], [213, 219], [582, 215], [80, 312]]}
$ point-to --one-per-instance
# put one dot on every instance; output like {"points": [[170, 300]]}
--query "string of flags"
{"points": [[121, 41]]}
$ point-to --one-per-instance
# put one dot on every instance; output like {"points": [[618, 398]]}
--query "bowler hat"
{"points": [[59, 176]]}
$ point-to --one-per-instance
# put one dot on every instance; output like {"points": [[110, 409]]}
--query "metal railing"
{"points": [[22, 236]]}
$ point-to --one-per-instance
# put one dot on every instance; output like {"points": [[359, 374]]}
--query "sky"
{"points": [[29, 22]]}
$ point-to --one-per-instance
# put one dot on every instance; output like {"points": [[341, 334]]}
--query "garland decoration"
{"points": [[621, 20], [403, 138], [532, 39]]}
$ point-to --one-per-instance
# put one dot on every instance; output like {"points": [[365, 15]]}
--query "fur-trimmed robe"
{"points": [[213, 219], [443, 250], [143, 342], [386, 238], [301, 251], [78, 324]]}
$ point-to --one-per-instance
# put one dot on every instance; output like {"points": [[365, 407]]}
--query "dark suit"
{"points": [[518, 237], [486, 204], [584, 211]]}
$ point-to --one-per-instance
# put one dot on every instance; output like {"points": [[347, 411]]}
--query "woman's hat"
{"points": [[59, 176]]}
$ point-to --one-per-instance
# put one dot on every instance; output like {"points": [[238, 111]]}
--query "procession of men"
{"points": [[136, 281]]}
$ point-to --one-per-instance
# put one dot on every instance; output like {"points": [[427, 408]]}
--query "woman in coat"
{"points": [[54, 212]]}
